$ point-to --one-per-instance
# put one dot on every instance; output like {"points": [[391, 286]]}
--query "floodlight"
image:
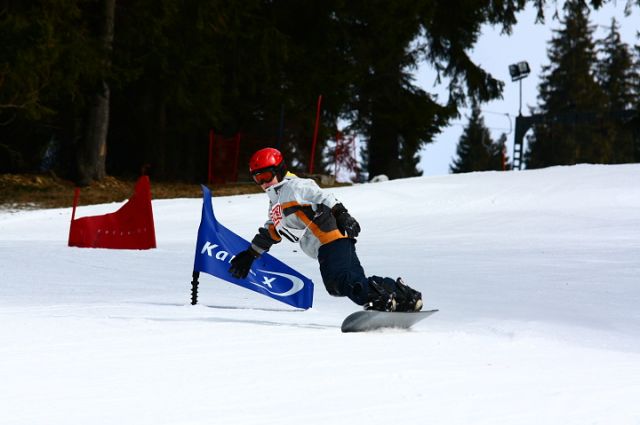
{"points": [[519, 70]]}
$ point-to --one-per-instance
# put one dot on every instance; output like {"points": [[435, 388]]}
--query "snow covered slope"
{"points": [[536, 275]]}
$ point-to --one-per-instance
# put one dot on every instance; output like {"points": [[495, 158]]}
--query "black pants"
{"points": [[341, 271]]}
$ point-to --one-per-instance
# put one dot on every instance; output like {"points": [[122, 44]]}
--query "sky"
{"points": [[534, 274], [495, 52]]}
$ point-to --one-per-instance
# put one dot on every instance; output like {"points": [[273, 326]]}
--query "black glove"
{"points": [[241, 263], [346, 224]]}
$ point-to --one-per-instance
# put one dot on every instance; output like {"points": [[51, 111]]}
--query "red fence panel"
{"points": [[131, 227]]}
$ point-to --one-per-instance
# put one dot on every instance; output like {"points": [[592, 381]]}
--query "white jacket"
{"points": [[301, 212]]}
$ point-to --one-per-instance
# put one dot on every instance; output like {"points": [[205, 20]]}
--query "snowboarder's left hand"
{"points": [[241, 263], [346, 224]]}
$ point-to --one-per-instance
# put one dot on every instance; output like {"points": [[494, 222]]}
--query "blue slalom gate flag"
{"points": [[269, 276]]}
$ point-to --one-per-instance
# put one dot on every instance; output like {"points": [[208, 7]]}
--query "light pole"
{"points": [[518, 72]]}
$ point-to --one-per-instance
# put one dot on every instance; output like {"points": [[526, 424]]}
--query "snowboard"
{"points": [[370, 320]]}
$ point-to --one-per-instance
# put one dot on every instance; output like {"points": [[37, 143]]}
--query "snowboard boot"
{"points": [[380, 298], [407, 299]]}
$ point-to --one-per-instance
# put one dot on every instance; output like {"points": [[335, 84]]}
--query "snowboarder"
{"points": [[300, 211]]}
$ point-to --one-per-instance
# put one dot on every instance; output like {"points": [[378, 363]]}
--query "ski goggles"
{"points": [[264, 175]]}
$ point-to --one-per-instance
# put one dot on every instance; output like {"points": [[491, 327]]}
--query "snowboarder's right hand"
{"points": [[241, 263]]}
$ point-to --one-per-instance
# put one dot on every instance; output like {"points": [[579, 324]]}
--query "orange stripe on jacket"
{"points": [[323, 237], [293, 204], [274, 235]]}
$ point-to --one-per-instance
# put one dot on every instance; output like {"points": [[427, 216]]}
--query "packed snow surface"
{"points": [[536, 275]]}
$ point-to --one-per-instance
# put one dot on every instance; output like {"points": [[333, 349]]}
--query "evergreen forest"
{"points": [[90, 88]]}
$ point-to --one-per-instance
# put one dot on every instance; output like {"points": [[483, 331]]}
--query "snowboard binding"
{"points": [[380, 297], [407, 299], [385, 294]]}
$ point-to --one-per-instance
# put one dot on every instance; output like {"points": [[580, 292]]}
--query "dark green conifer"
{"points": [[476, 151], [570, 98], [618, 77]]}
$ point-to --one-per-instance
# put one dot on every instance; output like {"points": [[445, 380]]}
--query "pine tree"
{"points": [[635, 124], [618, 76], [397, 117], [570, 98], [476, 150]]}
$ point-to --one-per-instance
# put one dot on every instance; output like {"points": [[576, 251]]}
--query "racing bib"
{"points": [[277, 218]]}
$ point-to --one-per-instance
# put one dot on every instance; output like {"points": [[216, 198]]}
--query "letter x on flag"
{"points": [[269, 276]]}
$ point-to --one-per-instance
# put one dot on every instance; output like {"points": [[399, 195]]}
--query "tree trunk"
{"points": [[93, 151], [92, 164]]}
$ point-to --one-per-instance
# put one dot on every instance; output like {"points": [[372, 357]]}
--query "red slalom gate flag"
{"points": [[131, 227]]}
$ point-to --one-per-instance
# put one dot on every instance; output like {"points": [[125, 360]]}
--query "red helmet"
{"points": [[267, 159]]}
